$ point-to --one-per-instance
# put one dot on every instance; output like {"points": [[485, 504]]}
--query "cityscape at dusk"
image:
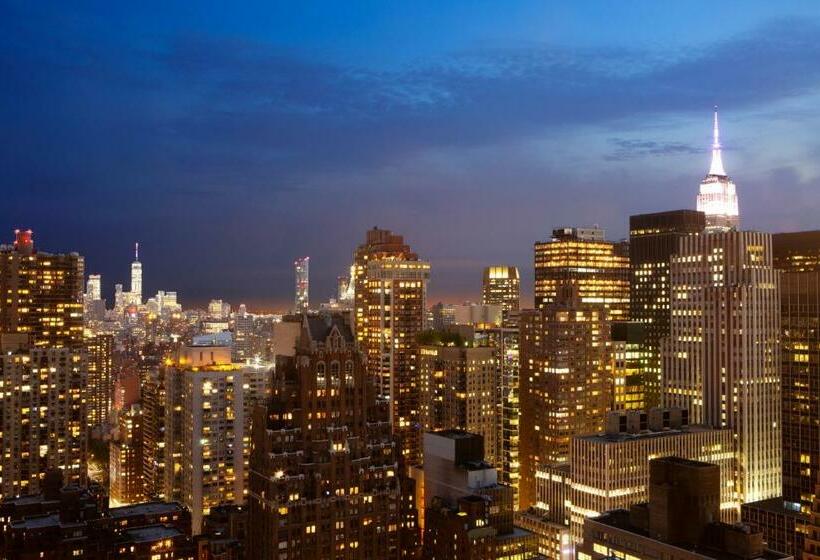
{"points": [[410, 281]]}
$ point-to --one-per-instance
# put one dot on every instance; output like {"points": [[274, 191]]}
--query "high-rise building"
{"points": [[42, 294], [680, 520], [565, 382], [468, 514], [721, 360], [653, 239], [93, 289], [42, 414], [100, 388], [797, 256], [208, 408], [43, 371], [136, 277], [717, 197], [502, 286], [785, 521], [391, 295], [630, 357], [242, 335], [153, 402], [324, 469], [126, 484], [580, 256], [301, 269], [459, 391]]}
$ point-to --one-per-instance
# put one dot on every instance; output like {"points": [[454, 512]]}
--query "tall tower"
{"points": [[136, 276], [718, 196], [565, 382], [721, 360], [502, 286], [301, 268]]}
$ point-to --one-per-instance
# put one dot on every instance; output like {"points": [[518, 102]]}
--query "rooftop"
{"points": [[151, 533], [148, 508], [604, 438]]}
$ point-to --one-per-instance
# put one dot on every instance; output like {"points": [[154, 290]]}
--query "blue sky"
{"points": [[230, 140]]}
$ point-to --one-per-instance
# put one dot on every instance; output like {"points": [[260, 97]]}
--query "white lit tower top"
{"points": [[136, 276], [718, 196], [302, 271]]}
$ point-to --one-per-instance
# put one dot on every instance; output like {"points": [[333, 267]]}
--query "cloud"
{"points": [[626, 149]]}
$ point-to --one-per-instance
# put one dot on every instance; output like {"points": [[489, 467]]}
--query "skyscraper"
{"points": [[721, 360], [136, 277], [391, 297], [797, 255], [94, 287], [459, 390], [502, 286], [100, 387], [208, 408], [580, 256], [301, 268], [324, 469], [717, 197], [43, 372], [126, 458], [653, 239], [565, 383]]}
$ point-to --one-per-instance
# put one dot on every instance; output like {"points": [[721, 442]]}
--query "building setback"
{"points": [[722, 356], [653, 239]]}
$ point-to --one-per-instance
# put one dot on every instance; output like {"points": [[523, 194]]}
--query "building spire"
{"points": [[717, 161], [137, 252]]}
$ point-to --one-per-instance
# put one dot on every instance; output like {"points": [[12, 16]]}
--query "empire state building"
{"points": [[718, 195]]}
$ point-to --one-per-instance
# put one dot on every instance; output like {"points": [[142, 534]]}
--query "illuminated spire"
{"points": [[717, 161], [137, 252]]}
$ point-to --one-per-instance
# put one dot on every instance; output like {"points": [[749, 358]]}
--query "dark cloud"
{"points": [[626, 149]]}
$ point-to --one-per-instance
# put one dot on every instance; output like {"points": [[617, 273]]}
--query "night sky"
{"points": [[229, 140]]}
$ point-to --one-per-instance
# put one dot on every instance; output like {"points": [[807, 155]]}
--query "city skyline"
{"points": [[421, 137]]}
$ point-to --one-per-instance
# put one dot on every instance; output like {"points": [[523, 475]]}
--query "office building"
{"points": [[126, 483], [459, 390], [565, 382], [580, 256], [93, 289], [391, 303], [722, 357], [717, 197], [680, 520], [610, 470], [653, 239], [301, 269], [502, 286], [100, 385], [242, 335], [785, 520], [324, 471], [630, 358], [796, 255]]}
